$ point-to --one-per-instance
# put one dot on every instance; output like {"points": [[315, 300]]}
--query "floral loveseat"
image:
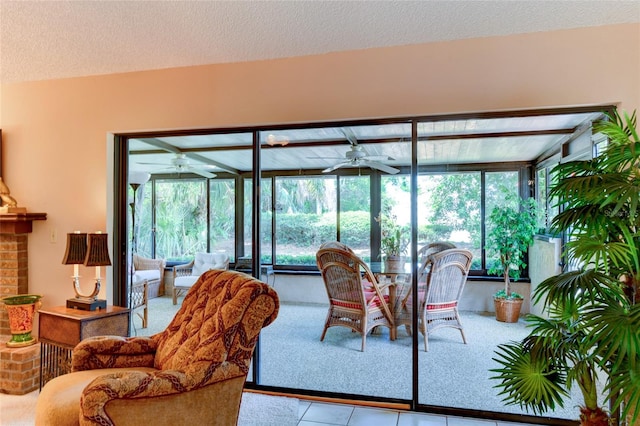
{"points": [[192, 373]]}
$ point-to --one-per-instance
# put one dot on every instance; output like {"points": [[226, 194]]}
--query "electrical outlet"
{"points": [[53, 236]]}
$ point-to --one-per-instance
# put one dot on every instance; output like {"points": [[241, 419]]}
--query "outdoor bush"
{"points": [[434, 232], [355, 228]]}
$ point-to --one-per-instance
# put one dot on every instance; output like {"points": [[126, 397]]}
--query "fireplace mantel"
{"points": [[19, 223]]}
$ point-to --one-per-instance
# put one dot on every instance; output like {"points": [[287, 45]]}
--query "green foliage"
{"points": [[593, 318], [502, 294], [355, 228], [394, 238], [455, 202], [513, 225]]}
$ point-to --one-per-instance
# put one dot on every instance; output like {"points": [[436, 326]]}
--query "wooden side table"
{"points": [[61, 329]]}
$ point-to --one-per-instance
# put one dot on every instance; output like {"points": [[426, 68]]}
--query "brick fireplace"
{"points": [[19, 367]]}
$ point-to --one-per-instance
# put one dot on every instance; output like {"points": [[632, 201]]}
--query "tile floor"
{"points": [[321, 413]]}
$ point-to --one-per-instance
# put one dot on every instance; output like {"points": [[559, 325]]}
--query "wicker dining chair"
{"points": [[356, 301], [428, 250], [438, 297]]}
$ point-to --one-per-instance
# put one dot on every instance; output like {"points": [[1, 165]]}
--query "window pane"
{"points": [[395, 198], [305, 218], [355, 214], [181, 221], [222, 216], [449, 210], [143, 219], [541, 197], [266, 224], [496, 183]]}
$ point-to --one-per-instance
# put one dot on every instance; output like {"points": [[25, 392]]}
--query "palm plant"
{"points": [[592, 329]]}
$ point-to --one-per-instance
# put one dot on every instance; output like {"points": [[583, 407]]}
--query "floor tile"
{"points": [[332, 414], [363, 416], [303, 406], [416, 419], [462, 421]]}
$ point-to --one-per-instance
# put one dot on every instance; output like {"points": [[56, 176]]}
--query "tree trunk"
{"points": [[593, 417]]}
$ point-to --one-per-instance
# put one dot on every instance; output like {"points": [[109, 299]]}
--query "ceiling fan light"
{"points": [[273, 140]]}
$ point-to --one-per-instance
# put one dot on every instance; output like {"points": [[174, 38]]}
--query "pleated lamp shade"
{"points": [[76, 250], [98, 250]]}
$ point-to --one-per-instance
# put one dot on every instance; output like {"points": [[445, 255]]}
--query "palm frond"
{"points": [[581, 218], [624, 388], [587, 286], [619, 129], [613, 330], [622, 156], [528, 381]]}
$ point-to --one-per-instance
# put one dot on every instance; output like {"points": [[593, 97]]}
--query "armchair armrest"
{"points": [[113, 352], [111, 399], [183, 270]]}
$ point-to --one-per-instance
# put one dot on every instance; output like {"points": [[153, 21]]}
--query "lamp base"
{"points": [[86, 305]]}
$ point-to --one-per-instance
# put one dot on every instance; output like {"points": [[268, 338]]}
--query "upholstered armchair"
{"points": [[184, 276], [191, 373], [151, 270]]}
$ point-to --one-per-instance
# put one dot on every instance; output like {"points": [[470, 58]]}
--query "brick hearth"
{"points": [[19, 367]]}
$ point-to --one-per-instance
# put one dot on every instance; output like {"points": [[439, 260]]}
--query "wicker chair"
{"points": [[151, 270], [140, 301], [438, 296], [428, 250], [356, 301]]}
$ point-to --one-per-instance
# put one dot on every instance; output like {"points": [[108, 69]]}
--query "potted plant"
{"points": [[514, 223], [591, 329], [393, 242]]}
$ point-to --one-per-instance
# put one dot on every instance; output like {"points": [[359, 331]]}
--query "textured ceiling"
{"points": [[57, 39]]}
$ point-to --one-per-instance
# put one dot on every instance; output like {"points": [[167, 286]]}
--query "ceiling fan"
{"points": [[181, 164], [357, 156]]}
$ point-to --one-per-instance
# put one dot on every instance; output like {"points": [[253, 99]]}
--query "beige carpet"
{"points": [[256, 410]]}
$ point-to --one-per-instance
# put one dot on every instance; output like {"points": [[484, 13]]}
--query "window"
{"points": [[355, 214], [222, 218], [181, 222], [450, 205], [306, 211]]}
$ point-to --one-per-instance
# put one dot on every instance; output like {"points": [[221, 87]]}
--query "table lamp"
{"points": [[89, 250]]}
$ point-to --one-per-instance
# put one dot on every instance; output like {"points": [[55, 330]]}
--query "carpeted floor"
{"points": [[451, 374], [255, 410]]}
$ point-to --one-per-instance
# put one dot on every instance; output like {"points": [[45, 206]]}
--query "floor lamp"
{"points": [[135, 180]]}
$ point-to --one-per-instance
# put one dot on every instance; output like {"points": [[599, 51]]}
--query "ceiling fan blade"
{"points": [[351, 137], [336, 166], [379, 158], [155, 164], [325, 158], [381, 167], [202, 173]]}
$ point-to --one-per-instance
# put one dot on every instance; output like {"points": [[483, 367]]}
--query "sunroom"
{"points": [[437, 176]]}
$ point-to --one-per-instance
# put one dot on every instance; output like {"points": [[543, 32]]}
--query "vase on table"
{"points": [[21, 310]]}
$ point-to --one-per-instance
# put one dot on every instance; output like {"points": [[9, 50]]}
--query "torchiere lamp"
{"points": [[136, 178], [89, 250]]}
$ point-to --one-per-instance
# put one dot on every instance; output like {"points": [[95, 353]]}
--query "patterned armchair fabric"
{"points": [[207, 348]]}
